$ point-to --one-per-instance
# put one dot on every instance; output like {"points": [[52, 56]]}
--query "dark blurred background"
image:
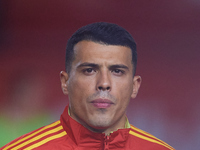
{"points": [[33, 37]]}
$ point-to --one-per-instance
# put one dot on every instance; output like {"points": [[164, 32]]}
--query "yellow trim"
{"points": [[38, 137], [127, 124], [46, 140], [46, 127], [68, 111], [149, 139], [143, 132], [139, 130]]}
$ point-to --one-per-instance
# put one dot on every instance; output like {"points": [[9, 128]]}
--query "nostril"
{"points": [[102, 88], [108, 88]]}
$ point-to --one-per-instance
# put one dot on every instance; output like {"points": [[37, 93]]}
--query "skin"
{"points": [[103, 74]]}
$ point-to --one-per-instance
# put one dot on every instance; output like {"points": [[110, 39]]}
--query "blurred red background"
{"points": [[33, 37]]}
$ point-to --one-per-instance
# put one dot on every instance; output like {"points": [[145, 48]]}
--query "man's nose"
{"points": [[103, 81]]}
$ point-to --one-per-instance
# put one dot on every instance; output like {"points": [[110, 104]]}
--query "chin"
{"points": [[100, 123]]}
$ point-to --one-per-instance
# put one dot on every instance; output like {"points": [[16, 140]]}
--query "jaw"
{"points": [[100, 120], [104, 122]]}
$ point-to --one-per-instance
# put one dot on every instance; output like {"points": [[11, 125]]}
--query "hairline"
{"points": [[103, 43]]}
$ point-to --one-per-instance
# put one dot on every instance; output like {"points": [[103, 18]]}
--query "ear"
{"points": [[136, 85], [63, 79]]}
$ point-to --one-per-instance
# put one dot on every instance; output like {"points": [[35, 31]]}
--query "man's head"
{"points": [[100, 77], [101, 32]]}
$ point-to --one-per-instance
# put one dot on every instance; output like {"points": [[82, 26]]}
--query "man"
{"points": [[99, 80]]}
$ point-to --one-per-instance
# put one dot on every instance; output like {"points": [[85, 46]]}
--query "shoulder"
{"points": [[147, 141], [37, 137]]}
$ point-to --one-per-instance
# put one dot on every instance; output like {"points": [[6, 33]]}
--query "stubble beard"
{"points": [[102, 118], [100, 121]]}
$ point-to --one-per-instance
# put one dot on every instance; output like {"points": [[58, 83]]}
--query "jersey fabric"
{"points": [[68, 134]]}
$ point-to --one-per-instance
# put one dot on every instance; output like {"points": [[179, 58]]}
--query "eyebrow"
{"points": [[86, 64], [118, 66]]}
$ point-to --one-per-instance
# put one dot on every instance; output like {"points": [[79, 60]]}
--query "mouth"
{"points": [[102, 103]]}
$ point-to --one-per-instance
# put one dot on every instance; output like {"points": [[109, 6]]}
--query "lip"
{"points": [[102, 103]]}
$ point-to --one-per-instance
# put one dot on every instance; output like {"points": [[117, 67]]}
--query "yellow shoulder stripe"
{"points": [[46, 140], [42, 129], [145, 133], [38, 137], [149, 139]]}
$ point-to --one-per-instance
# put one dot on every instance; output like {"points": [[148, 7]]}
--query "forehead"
{"points": [[88, 51]]}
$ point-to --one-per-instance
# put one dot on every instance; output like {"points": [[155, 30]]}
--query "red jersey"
{"points": [[67, 134]]}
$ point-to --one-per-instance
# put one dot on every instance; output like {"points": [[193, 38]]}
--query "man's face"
{"points": [[100, 85]]}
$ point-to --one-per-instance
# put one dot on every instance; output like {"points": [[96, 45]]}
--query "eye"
{"points": [[89, 71], [117, 72]]}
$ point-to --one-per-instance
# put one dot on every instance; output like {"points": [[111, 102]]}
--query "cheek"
{"points": [[125, 86], [123, 90], [79, 87]]}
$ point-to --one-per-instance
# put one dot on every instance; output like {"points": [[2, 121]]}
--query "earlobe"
{"points": [[136, 85], [63, 80]]}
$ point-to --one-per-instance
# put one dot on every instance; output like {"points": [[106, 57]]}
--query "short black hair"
{"points": [[101, 32]]}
